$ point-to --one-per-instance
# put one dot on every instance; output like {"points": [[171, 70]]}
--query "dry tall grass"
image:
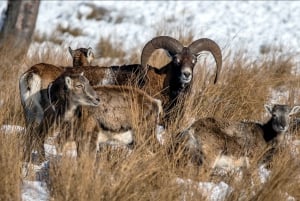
{"points": [[10, 167], [149, 171]]}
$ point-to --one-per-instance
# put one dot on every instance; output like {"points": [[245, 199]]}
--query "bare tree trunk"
{"points": [[19, 25]]}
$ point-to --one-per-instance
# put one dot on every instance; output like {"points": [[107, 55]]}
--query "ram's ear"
{"points": [[90, 55], [169, 54], [269, 108], [68, 82], [295, 110], [71, 51]]}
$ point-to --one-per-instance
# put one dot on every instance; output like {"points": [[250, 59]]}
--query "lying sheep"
{"points": [[241, 142]]}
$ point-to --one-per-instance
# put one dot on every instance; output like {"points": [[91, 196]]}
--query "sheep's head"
{"points": [[82, 56], [184, 59], [183, 65], [281, 115], [73, 88]]}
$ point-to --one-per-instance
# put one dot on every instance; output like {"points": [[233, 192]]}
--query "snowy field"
{"points": [[231, 24], [251, 25]]}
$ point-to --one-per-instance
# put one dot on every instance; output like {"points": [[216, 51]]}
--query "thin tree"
{"points": [[18, 27]]}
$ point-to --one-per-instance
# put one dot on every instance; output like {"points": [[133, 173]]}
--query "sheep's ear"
{"points": [[269, 108], [90, 54], [71, 51], [169, 54], [295, 110], [198, 54], [82, 73], [68, 81]]}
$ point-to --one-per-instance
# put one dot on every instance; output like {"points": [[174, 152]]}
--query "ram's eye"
{"points": [[79, 86], [177, 60]]}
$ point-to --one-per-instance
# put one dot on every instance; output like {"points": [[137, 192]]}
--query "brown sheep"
{"points": [[240, 142]]}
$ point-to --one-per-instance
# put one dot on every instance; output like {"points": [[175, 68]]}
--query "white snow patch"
{"points": [[10, 129], [34, 191], [50, 150], [212, 191], [233, 25], [160, 134], [215, 192], [264, 173]]}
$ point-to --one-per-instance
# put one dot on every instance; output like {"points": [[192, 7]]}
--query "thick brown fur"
{"points": [[37, 78], [65, 95], [218, 137], [121, 109]]}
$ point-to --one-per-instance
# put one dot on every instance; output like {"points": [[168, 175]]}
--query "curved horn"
{"points": [[168, 43], [206, 44]]}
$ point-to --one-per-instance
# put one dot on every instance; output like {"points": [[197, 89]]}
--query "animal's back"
{"points": [[47, 72], [236, 139], [121, 106]]}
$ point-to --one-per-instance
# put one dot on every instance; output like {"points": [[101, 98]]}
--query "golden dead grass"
{"points": [[10, 141], [10, 166], [107, 48], [149, 170]]}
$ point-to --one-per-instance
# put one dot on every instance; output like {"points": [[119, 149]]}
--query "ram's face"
{"points": [[184, 64]]}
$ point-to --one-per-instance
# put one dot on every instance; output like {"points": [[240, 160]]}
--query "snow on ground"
{"points": [[34, 191], [160, 134], [11, 129], [253, 24], [210, 190], [232, 24], [264, 173]]}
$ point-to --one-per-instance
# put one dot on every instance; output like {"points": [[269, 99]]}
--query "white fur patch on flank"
{"points": [[124, 138], [115, 138], [192, 142], [230, 162], [102, 138], [30, 86], [107, 80], [160, 108]]}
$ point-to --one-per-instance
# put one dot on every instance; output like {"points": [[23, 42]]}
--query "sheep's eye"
{"points": [[177, 60], [194, 61], [79, 86]]}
